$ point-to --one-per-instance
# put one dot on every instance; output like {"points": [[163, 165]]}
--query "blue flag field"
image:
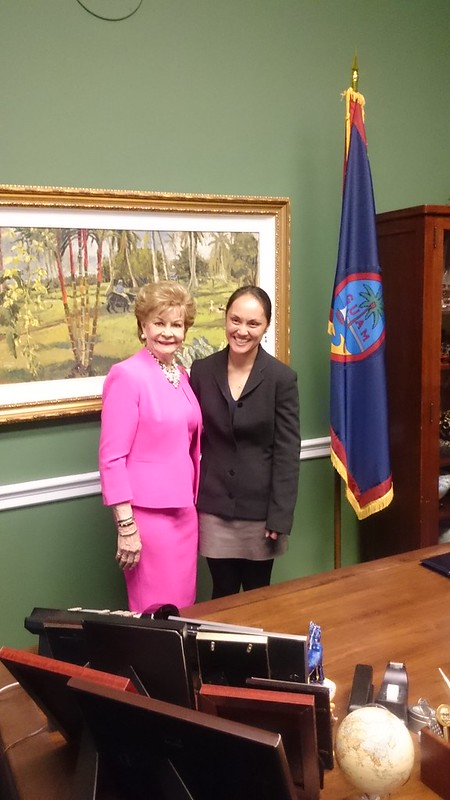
{"points": [[358, 403]]}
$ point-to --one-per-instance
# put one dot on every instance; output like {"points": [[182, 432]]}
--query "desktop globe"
{"points": [[375, 751]]}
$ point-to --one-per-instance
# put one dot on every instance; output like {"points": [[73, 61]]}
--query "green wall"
{"points": [[201, 96]]}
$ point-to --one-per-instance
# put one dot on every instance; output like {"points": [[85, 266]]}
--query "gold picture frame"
{"points": [[55, 247]]}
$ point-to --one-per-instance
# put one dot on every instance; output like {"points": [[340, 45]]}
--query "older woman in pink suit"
{"points": [[149, 454]]}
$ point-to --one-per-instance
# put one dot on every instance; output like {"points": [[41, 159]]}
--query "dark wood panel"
{"points": [[410, 243]]}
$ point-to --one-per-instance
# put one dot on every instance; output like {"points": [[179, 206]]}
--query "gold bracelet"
{"points": [[128, 533], [125, 523]]}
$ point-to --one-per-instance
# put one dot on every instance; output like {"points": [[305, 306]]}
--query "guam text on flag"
{"points": [[358, 416]]}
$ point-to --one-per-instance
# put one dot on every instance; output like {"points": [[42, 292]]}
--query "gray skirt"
{"points": [[238, 538]]}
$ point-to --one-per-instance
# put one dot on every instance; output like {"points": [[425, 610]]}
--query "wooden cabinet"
{"points": [[414, 252]]}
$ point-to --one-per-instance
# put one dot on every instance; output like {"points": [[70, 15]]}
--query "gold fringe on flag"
{"points": [[370, 508]]}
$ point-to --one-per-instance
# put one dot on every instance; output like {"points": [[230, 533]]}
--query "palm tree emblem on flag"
{"points": [[357, 326]]}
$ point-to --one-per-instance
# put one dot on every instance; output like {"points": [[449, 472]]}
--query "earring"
{"points": [[143, 337]]}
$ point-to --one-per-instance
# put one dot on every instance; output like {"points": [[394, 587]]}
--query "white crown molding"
{"points": [[315, 448], [47, 490]]}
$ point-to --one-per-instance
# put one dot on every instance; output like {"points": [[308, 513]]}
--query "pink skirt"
{"points": [[167, 570]]}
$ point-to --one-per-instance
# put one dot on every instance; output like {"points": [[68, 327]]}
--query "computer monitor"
{"points": [[45, 681], [155, 656], [150, 750]]}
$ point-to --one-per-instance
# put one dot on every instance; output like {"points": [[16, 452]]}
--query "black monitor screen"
{"points": [[151, 750], [155, 657]]}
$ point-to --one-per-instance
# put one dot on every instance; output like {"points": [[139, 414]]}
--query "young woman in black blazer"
{"points": [[250, 449]]}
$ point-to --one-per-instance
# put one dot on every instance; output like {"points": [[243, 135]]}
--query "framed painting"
{"points": [[72, 262]]}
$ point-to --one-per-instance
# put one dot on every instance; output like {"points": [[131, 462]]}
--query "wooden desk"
{"points": [[391, 609], [387, 610]]}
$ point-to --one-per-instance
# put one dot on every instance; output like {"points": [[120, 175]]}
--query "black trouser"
{"points": [[229, 574]]}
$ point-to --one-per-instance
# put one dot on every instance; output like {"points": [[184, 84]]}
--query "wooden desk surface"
{"points": [[392, 609]]}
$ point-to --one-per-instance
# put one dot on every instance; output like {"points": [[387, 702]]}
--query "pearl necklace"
{"points": [[171, 371]]}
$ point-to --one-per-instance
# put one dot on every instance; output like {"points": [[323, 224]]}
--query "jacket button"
{"points": [[230, 495], [240, 404], [231, 473]]}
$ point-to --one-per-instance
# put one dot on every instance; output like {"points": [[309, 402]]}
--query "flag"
{"points": [[358, 407]]}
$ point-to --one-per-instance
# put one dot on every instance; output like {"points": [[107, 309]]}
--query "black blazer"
{"points": [[250, 456]]}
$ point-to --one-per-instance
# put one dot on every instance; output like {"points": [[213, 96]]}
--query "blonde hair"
{"points": [[156, 297]]}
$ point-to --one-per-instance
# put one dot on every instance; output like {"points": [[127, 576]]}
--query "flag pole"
{"points": [[355, 73], [337, 523], [337, 519]]}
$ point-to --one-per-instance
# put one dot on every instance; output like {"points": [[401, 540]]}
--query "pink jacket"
{"points": [[147, 455]]}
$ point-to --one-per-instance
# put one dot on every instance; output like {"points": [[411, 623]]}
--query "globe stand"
{"points": [[371, 796]]}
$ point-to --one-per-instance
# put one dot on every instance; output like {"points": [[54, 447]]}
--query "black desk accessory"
{"points": [[361, 693], [393, 693], [440, 564], [34, 622]]}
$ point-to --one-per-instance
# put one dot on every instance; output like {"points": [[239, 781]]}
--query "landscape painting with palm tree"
{"points": [[67, 294]]}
